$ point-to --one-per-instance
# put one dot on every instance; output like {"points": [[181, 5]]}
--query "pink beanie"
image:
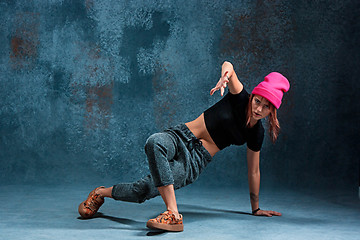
{"points": [[273, 88]]}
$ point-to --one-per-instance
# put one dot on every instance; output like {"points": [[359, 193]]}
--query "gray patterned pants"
{"points": [[175, 156]]}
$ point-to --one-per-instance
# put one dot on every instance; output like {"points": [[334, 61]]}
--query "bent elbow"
{"points": [[255, 172], [227, 63]]}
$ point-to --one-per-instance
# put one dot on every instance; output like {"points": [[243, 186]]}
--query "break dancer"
{"points": [[178, 154]]}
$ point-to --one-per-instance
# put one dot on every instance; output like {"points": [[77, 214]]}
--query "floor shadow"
{"points": [[125, 221], [190, 206], [192, 213], [221, 213], [289, 218], [155, 232], [137, 225]]}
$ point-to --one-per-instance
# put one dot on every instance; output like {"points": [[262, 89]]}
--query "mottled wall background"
{"points": [[84, 82]]}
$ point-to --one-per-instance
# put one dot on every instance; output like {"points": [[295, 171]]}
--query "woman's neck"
{"points": [[253, 122]]}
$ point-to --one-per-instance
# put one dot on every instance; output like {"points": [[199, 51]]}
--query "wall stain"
{"points": [[99, 98], [25, 40], [94, 86], [164, 97], [254, 39], [89, 4], [98, 106]]}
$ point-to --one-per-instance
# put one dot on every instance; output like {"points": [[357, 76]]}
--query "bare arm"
{"points": [[235, 86], [253, 161], [228, 76]]}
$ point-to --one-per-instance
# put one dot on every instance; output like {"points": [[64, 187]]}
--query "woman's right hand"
{"points": [[222, 83]]}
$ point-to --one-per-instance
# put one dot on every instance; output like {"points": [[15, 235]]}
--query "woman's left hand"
{"points": [[267, 213], [221, 85]]}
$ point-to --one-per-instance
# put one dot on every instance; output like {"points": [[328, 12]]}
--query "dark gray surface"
{"points": [[40, 212]]}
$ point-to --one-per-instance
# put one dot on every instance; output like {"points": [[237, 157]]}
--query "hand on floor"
{"points": [[267, 213]]}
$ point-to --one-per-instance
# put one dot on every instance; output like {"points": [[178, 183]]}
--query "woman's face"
{"points": [[260, 107]]}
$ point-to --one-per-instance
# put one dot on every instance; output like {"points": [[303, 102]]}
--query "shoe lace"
{"points": [[93, 203]]}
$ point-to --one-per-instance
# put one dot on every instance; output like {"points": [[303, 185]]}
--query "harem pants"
{"points": [[175, 156]]}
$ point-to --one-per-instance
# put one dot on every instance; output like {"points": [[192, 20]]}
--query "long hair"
{"points": [[274, 125]]}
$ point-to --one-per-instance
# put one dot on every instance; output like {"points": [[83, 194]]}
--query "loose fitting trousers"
{"points": [[175, 156]]}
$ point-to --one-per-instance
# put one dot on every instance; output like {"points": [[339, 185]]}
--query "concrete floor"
{"points": [[39, 212]]}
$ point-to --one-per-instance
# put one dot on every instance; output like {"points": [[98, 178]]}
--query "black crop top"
{"points": [[226, 123]]}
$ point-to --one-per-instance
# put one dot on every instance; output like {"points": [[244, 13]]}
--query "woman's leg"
{"points": [[168, 195], [105, 192], [136, 192], [160, 149]]}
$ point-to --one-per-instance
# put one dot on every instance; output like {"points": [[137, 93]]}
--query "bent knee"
{"points": [[155, 139]]}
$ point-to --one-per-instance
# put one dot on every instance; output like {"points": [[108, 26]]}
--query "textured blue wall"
{"points": [[84, 83]]}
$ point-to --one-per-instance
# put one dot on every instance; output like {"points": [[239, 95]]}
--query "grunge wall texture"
{"points": [[83, 83]]}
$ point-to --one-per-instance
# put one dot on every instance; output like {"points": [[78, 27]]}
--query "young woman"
{"points": [[178, 155]]}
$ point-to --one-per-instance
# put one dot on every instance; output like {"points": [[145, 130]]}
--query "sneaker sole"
{"points": [[167, 227]]}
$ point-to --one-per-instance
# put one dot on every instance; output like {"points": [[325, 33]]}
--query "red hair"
{"points": [[274, 125]]}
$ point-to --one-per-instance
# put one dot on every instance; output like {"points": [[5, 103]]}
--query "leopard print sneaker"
{"points": [[166, 221], [91, 205]]}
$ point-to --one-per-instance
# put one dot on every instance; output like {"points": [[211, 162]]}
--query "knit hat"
{"points": [[273, 88]]}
